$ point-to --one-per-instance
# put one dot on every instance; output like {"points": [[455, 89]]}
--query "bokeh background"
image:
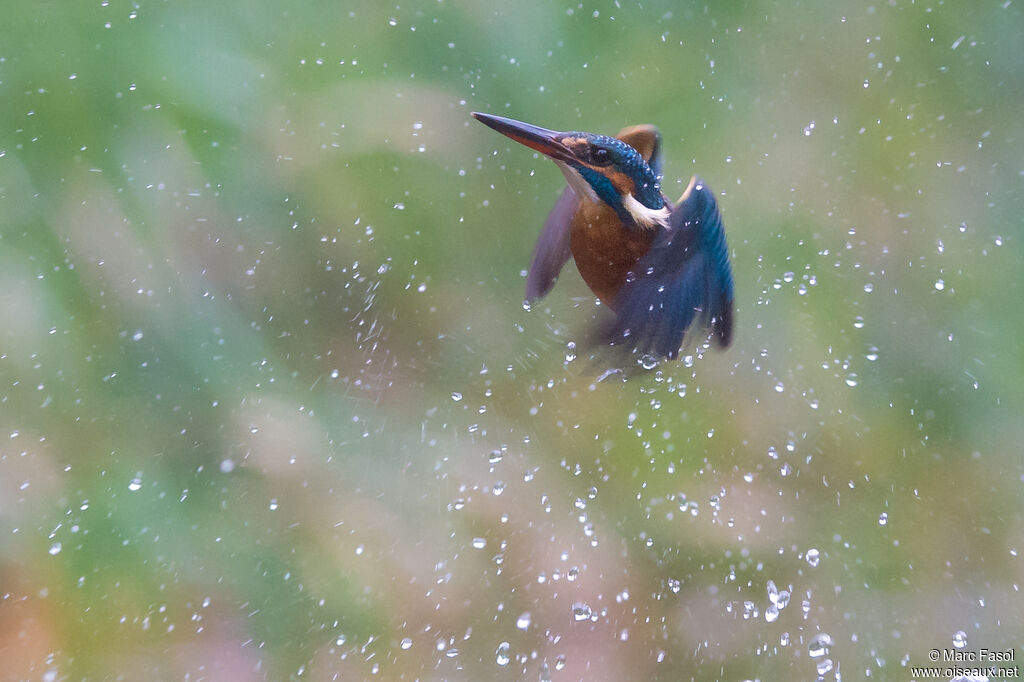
{"points": [[271, 408]]}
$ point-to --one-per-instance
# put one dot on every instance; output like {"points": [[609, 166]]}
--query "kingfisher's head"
{"points": [[598, 168]]}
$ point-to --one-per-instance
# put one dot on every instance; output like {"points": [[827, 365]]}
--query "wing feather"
{"points": [[552, 249], [684, 281]]}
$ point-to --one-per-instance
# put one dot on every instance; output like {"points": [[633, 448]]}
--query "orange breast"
{"points": [[605, 250]]}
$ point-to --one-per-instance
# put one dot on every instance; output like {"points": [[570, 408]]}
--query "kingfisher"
{"points": [[663, 268]]}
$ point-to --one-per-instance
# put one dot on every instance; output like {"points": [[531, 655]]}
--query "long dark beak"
{"points": [[547, 142]]}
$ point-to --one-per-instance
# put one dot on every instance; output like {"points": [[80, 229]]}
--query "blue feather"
{"points": [[684, 281]]}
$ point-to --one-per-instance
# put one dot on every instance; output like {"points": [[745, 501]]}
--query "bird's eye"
{"points": [[601, 157]]}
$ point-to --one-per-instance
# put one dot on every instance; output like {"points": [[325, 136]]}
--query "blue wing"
{"points": [[684, 280], [552, 249]]}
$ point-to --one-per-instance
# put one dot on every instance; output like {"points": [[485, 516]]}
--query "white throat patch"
{"points": [[579, 185], [646, 217]]}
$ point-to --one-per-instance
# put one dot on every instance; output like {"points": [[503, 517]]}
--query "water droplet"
{"points": [[824, 666], [523, 621], [959, 638], [135, 484], [273, 504], [406, 644], [501, 654], [55, 549], [495, 456], [227, 466], [813, 557], [456, 396], [940, 285], [570, 351], [771, 614], [479, 543], [560, 662], [883, 518], [580, 611], [820, 645]]}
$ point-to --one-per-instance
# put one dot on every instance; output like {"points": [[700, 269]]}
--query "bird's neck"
{"points": [[579, 185], [647, 190], [644, 207]]}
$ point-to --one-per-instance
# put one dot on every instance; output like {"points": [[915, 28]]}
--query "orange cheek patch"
{"points": [[622, 182]]}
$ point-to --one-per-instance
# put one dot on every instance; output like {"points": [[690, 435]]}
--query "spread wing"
{"points": [[552, 249], [684, 280]]}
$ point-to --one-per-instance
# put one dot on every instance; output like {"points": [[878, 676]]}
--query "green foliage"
{"points": [[273, 405]]}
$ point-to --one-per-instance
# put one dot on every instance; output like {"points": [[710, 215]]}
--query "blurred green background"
{"points": [[272, 409]]}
